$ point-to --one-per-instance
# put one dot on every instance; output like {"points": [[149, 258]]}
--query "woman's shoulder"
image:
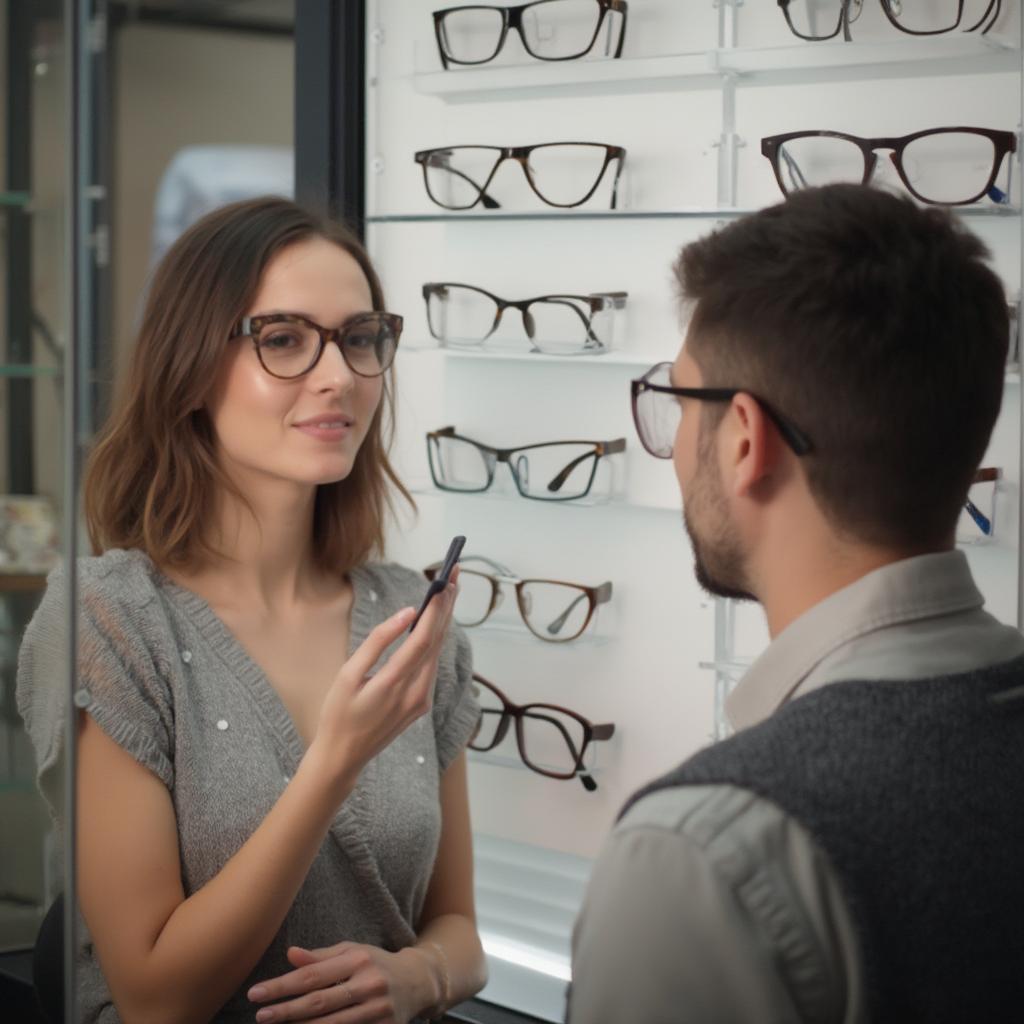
{"points": [[118, 578]]}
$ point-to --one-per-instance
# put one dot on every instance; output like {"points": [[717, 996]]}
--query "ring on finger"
{"points": [[349, 998]]}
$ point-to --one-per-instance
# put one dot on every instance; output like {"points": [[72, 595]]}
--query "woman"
{"points": [[270, 826]]}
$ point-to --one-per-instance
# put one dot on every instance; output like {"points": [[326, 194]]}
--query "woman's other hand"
{"points": [[348, 983]]}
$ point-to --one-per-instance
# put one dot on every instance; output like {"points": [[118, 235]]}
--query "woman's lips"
{"points": [[325, 430]]}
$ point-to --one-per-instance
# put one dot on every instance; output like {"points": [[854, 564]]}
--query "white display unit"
{"points": [[697, 87]]}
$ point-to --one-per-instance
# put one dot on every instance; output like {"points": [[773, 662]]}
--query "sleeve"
{"points": [[126, 694], [680, 927], [456, 710]]}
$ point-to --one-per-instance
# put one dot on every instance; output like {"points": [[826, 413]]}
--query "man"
{"points": [[855, 852]]}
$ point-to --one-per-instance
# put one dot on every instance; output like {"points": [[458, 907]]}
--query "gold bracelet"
{"points": [[437, 1012]]}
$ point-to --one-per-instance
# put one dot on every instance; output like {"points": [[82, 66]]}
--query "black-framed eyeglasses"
{"points": [[289, 345], [656, 411], [942, 166], [464, 315], [815, 20], [457, 177], [552, 740], [549, 29], [556, 611], [551, 471]]}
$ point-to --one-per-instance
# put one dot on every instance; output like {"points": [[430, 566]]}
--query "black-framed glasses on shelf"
{"points": [[289, 345], [561, 174], [552, 740], [548, 29], [463, 315], [656, 411], [942, 166], [816, 20], [549, 471], [553, 610]]}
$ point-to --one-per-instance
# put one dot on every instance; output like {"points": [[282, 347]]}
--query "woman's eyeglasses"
{"points": [[553, 471], [289, 345], [943, 166], [562, 174], [463, 315], [825, 19], [549, 30], [656, 411], [552, 740], [553, 610]]}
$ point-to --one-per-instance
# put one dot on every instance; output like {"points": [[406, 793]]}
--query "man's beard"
{"points": [[718, 561]]}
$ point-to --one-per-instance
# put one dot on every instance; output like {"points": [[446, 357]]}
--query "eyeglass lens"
{"points": [[942, 167], [463, 316], [290, 349], [554, 472], [551, 30], [821, 19], [657, 414]]}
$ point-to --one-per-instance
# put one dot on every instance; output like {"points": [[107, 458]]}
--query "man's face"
{"points": [[719, 560]]}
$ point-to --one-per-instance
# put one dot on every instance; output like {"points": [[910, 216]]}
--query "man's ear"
{"points": [[750, 444]]}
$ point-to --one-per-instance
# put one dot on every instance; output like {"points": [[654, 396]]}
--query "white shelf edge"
{"points": [[420, 490], [614, 357]]}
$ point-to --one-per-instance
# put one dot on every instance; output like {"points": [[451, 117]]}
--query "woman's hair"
{"points": [[152, 477]]}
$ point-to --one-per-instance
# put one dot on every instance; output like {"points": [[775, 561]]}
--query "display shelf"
{"points": [[421, 490], [692, 213], [614, 357], [21, 582], [515, 762], [27, 371], [802, 62], [519, 635]]}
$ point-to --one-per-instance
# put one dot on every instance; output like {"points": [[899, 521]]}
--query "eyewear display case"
{"points": [[685, 93]]}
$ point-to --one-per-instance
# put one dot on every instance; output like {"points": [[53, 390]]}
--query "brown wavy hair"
{"points": [[152, 475]]}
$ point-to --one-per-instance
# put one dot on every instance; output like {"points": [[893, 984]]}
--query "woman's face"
{"points": [[307, 430]]}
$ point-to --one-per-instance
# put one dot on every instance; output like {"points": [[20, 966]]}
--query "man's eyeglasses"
{"points": [[943, 166], [551, 471], [656, 411], [562, 174], [463, 315], [554, 610], [825, 19], [289, 345], [552, 740], [549, 30]]}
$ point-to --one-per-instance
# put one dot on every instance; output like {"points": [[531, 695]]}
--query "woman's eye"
{"points": [[281, 340], [360, 339]]}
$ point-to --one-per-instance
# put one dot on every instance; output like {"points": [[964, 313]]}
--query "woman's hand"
{"points": [[362, 714], [348, 984]]}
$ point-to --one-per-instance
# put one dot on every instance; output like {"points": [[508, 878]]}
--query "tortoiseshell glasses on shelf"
{"points": [[552, 740], [825, 19], [562, 174], [942, 166], [289, 345], [554, 610], [549, 29], [462, 315], [552, 471]]}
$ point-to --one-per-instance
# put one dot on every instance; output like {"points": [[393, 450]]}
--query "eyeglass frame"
{"points": [[512, 18], [250, 327], [598, 302], [521, 155], [601, 594], [1003, 142], [510, 710], [600, 450], [794, 437], [843, 23]]}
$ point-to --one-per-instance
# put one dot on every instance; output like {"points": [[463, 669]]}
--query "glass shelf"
{"points": [[421, 490], [517, 633], [615, 357], [28, 371], [692, 213], [902, 58]]}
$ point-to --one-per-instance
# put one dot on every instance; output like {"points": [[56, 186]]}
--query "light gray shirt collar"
{"points": [[910, 619]]}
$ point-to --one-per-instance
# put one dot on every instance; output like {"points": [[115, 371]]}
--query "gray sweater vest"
{"points": [[915, 791]]}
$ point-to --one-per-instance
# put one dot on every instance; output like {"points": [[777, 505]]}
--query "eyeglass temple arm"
{"points": [[796, 175], [489, 203], [582, 774], [600, 448], [601, 595], [998, 5]]}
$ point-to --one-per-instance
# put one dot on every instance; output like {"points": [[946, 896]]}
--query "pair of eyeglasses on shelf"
{"points": [[816, 20], [548, 30], [289, 345], [561, 174], [941, 166], [552, 740], [550, 471], [462, 315], [553, 610]]}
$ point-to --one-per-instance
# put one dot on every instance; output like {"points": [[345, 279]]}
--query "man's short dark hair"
{"points": [[875, 326]]}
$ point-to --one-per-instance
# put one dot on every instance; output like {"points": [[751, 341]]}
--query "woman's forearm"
{"points": [[457, 967], [210, 943]]}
